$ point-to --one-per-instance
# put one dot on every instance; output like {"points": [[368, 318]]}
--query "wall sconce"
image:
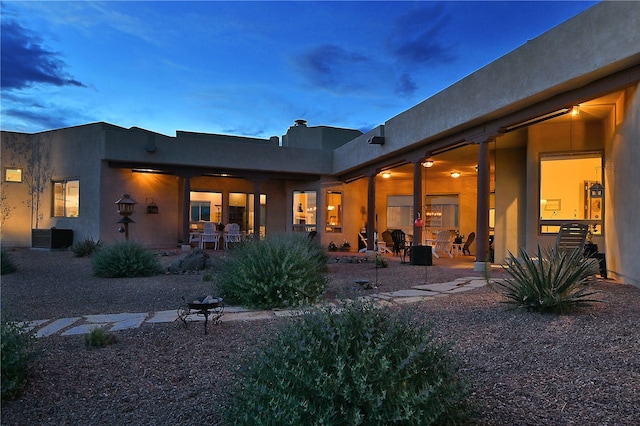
{"points": [[427, 163], [575, 110], [125, 208], [455, 175], [386, 175], [152, 208]]}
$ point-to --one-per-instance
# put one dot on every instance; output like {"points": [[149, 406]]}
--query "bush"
{"points": [[125, 259], [380, 261], [17, 354], [85, 247], [8, 265], [99, 338], [279, 271], [362, 366], [550, 282]]}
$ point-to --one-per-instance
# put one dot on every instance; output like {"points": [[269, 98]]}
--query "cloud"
{"points": [[405, 86], [25, 61], [416, 37], [332, 67]]}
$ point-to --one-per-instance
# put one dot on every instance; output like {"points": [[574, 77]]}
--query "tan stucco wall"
{"points": [[622, 191]]}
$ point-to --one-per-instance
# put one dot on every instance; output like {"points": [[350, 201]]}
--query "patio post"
{"points": [[482, 214]]}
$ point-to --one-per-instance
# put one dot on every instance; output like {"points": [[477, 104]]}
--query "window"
{"points": [[13, 174], [564, 190], [201, 203], [334, 211], [242, 211], [66, 198], [400, 212], [200, 211], [441, 211], [304, 211]]}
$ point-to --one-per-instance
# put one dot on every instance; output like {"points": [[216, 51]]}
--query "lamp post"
{"points": [[125, 208]]}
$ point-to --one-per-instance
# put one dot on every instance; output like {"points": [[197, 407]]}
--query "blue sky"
{"points": [[247, 68]]}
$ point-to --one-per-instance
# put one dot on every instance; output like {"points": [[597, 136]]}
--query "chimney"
{"points": [[301, 123]]}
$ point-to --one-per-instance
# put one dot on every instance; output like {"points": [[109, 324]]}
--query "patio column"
{"points": [[482, 214], [186, 200], [372, 222], [417, 202], [256, 209]]}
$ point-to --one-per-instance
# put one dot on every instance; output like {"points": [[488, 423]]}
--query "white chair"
{"points": [[194, 237], [442, 244], [209, 235], [233, 235]]}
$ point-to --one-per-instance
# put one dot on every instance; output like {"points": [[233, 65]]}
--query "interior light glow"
{"points": [[455, 175]]}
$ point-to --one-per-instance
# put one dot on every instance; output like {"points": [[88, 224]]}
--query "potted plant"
{"points": [[333, 246], [345, 246]]}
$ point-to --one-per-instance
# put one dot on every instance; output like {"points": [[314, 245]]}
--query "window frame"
{"points": [[64, 197], [17, 170], [551, 225], [335, 227]]}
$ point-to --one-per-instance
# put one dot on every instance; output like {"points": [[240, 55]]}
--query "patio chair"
{"points": [[400, 243], [384, 243], [209, 235], [470, 238], [442, 244], [571, 236], [233, 235]]}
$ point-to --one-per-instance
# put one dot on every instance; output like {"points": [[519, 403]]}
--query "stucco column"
{"points": [[482, 214], [256, 209], [417, 202], [186, 200], [371, 212]]}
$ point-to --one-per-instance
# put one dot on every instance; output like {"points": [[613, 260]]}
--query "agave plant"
{"points": [[552, 281]]}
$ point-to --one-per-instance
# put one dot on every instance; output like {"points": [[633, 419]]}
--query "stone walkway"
{"points": [[115, 322]]}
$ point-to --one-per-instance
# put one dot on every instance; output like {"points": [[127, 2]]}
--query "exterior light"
{"points": [[455, 175], [427, 163], [596, 190], [575, 110], [386, 175]]}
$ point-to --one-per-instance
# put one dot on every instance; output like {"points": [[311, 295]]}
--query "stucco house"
{"points": [[547, 134]]}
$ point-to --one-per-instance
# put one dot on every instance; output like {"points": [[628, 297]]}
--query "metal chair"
{"points": [[470, 238]]}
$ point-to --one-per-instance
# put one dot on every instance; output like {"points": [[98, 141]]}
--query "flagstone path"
{"points": [[128, 320]]}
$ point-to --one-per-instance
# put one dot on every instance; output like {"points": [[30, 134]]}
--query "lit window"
{"points": [[304, 211], [565, 181], [334, 211], [441, 211], [400, 212], [66, 198], [13, 174]]}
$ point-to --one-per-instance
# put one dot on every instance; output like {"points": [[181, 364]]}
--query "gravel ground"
{"points": [[525, 368]]}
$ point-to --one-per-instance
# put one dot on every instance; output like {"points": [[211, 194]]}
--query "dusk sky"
{"points": [[248, 68]]}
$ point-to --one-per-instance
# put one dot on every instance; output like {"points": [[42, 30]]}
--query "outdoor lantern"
{"points": [[596, 190], [125, 208], [418, 222]]}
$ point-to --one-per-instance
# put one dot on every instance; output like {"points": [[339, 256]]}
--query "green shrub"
{"points": [[549, 282], [8, 265], [279, 271], [98, 337], [85, 247], [125, 259], [17, 354], [363, 365], [380, 261]]}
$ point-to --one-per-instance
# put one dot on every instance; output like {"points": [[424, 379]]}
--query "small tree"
{"points": [[33, 155]]}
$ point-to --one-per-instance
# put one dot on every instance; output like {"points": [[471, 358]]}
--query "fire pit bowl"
{"points": [[203, 305]]}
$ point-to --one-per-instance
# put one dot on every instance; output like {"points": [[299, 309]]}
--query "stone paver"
{"points": [[123, 321]]}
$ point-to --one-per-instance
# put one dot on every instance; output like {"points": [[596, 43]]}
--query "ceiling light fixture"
{"points": [[386, 175], [427, 163], [455, 175]]}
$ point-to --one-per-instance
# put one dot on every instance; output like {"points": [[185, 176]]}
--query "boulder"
{"points": [[195, 260]]}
